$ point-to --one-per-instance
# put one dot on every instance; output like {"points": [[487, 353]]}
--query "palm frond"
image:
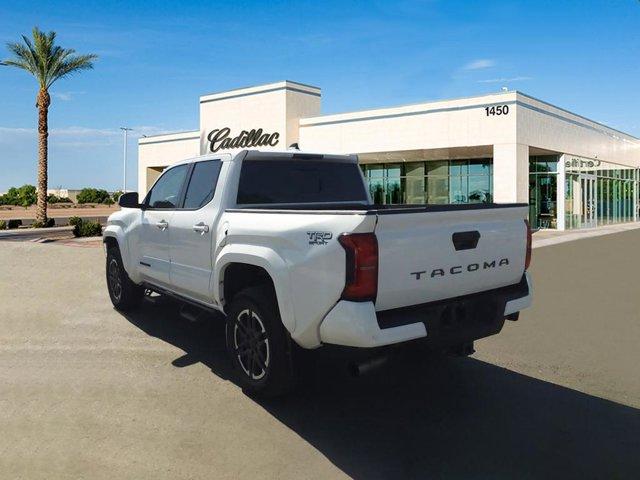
{"points": [[22, 58], [45, 60], [31, 54], [71, 64]]}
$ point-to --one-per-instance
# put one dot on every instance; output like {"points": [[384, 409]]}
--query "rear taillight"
{"points": [[361, 282], [527, 258]]}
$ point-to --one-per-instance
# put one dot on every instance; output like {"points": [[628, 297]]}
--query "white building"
{"points": [[501, 147], [64, 193]]}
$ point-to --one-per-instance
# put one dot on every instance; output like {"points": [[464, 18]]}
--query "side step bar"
{"points": [[177, 296]]}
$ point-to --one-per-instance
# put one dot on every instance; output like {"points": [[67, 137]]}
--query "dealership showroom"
{"points": [[500, 147]]}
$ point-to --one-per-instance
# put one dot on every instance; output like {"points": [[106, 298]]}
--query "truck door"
{"points": [[156, 225], [193, 233]]}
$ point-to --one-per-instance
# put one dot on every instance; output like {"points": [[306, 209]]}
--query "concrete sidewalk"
{"points": [[544, 238]]}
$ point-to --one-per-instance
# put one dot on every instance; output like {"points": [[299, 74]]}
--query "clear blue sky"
{"points": [[157, 58]]}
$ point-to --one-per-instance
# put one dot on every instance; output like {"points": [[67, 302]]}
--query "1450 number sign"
{"points": [[497, 110]]}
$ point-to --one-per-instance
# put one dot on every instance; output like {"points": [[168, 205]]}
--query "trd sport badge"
{"points": [[319, 238]]}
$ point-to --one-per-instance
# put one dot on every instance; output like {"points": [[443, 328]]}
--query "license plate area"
{"points": [[463, 314], [449, 322]]}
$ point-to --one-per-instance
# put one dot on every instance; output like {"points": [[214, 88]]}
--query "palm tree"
{"points": [[47, 62]]}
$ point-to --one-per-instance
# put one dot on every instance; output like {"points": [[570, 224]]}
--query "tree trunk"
{"points": [[43, 101]]}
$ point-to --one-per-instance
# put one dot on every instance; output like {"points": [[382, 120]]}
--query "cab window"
{"points": [[166, 191], [202, 184]]}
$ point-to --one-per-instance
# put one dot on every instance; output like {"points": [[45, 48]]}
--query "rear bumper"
{"points": [[443, 323]]}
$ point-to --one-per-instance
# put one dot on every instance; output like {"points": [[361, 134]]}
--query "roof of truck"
{"points": [[267, 155]]}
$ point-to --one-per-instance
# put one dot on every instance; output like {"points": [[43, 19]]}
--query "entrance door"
{"points": [[589, 210]]}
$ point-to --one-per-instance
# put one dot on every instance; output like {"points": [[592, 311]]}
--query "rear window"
{"points": [[300, 181]]}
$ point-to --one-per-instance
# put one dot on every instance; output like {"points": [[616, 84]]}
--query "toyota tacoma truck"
{"points": [[289, 247]]}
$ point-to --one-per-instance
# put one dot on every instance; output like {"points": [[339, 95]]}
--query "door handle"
{"points": [[162, 225], [201, 228]]}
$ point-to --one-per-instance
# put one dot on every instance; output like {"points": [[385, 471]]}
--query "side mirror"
{"points": [[129, 200]]}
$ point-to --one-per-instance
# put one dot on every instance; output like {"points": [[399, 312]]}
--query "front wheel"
{"points": [[258, 343], [125, 295]]}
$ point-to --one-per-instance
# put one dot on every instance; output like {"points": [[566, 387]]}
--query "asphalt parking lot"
{"points": [[86, 392]]}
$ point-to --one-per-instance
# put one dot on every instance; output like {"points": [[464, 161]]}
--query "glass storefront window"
{"points": [[543, 164], [414, 183], [438, 168], [375, 178], [543, 191], [457, 188], [392, 187], [479, 167], [569, 203], [459, 167], [479, 189], [432, 182], [437, 189], [599, 193]]}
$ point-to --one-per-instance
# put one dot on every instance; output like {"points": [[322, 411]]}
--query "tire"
{"points": [[258, 344], [125, 295]]}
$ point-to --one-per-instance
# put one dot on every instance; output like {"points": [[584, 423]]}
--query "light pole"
{"points": [[124, 180]]}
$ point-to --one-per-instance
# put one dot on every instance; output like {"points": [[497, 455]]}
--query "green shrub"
{"points": [[92, 195], [85, 229], [107, 201], [3, 225], [14, 224], [24, 195], [89, 229], [75, 222], [48, 224]]}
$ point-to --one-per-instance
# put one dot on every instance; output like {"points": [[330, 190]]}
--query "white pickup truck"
{"points": [[290, 248]]}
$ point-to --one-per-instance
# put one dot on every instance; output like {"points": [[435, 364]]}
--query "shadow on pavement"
{"points": [[432, 417]]}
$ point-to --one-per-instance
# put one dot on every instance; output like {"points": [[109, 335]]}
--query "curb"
{"points": [[18, 232]]}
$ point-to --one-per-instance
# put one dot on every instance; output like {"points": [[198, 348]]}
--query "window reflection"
{"points": [[543, 191], [431, 182], [599, 193]]}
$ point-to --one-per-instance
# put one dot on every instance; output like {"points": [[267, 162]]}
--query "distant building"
{"points": [[64, 193]]}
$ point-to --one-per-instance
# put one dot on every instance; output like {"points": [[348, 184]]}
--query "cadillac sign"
{"points": [[220, 138]]}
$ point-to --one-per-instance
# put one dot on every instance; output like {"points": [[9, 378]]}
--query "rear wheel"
{"points": [[125, 295], [258, 344]]}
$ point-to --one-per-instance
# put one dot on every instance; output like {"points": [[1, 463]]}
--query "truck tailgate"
{"points": [[444, 252]]}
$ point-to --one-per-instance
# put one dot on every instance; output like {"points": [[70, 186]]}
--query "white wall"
{"points": [[511, 173], [163, 150], [546, 126], [275, 107], [445, 124], [463, 123]]}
